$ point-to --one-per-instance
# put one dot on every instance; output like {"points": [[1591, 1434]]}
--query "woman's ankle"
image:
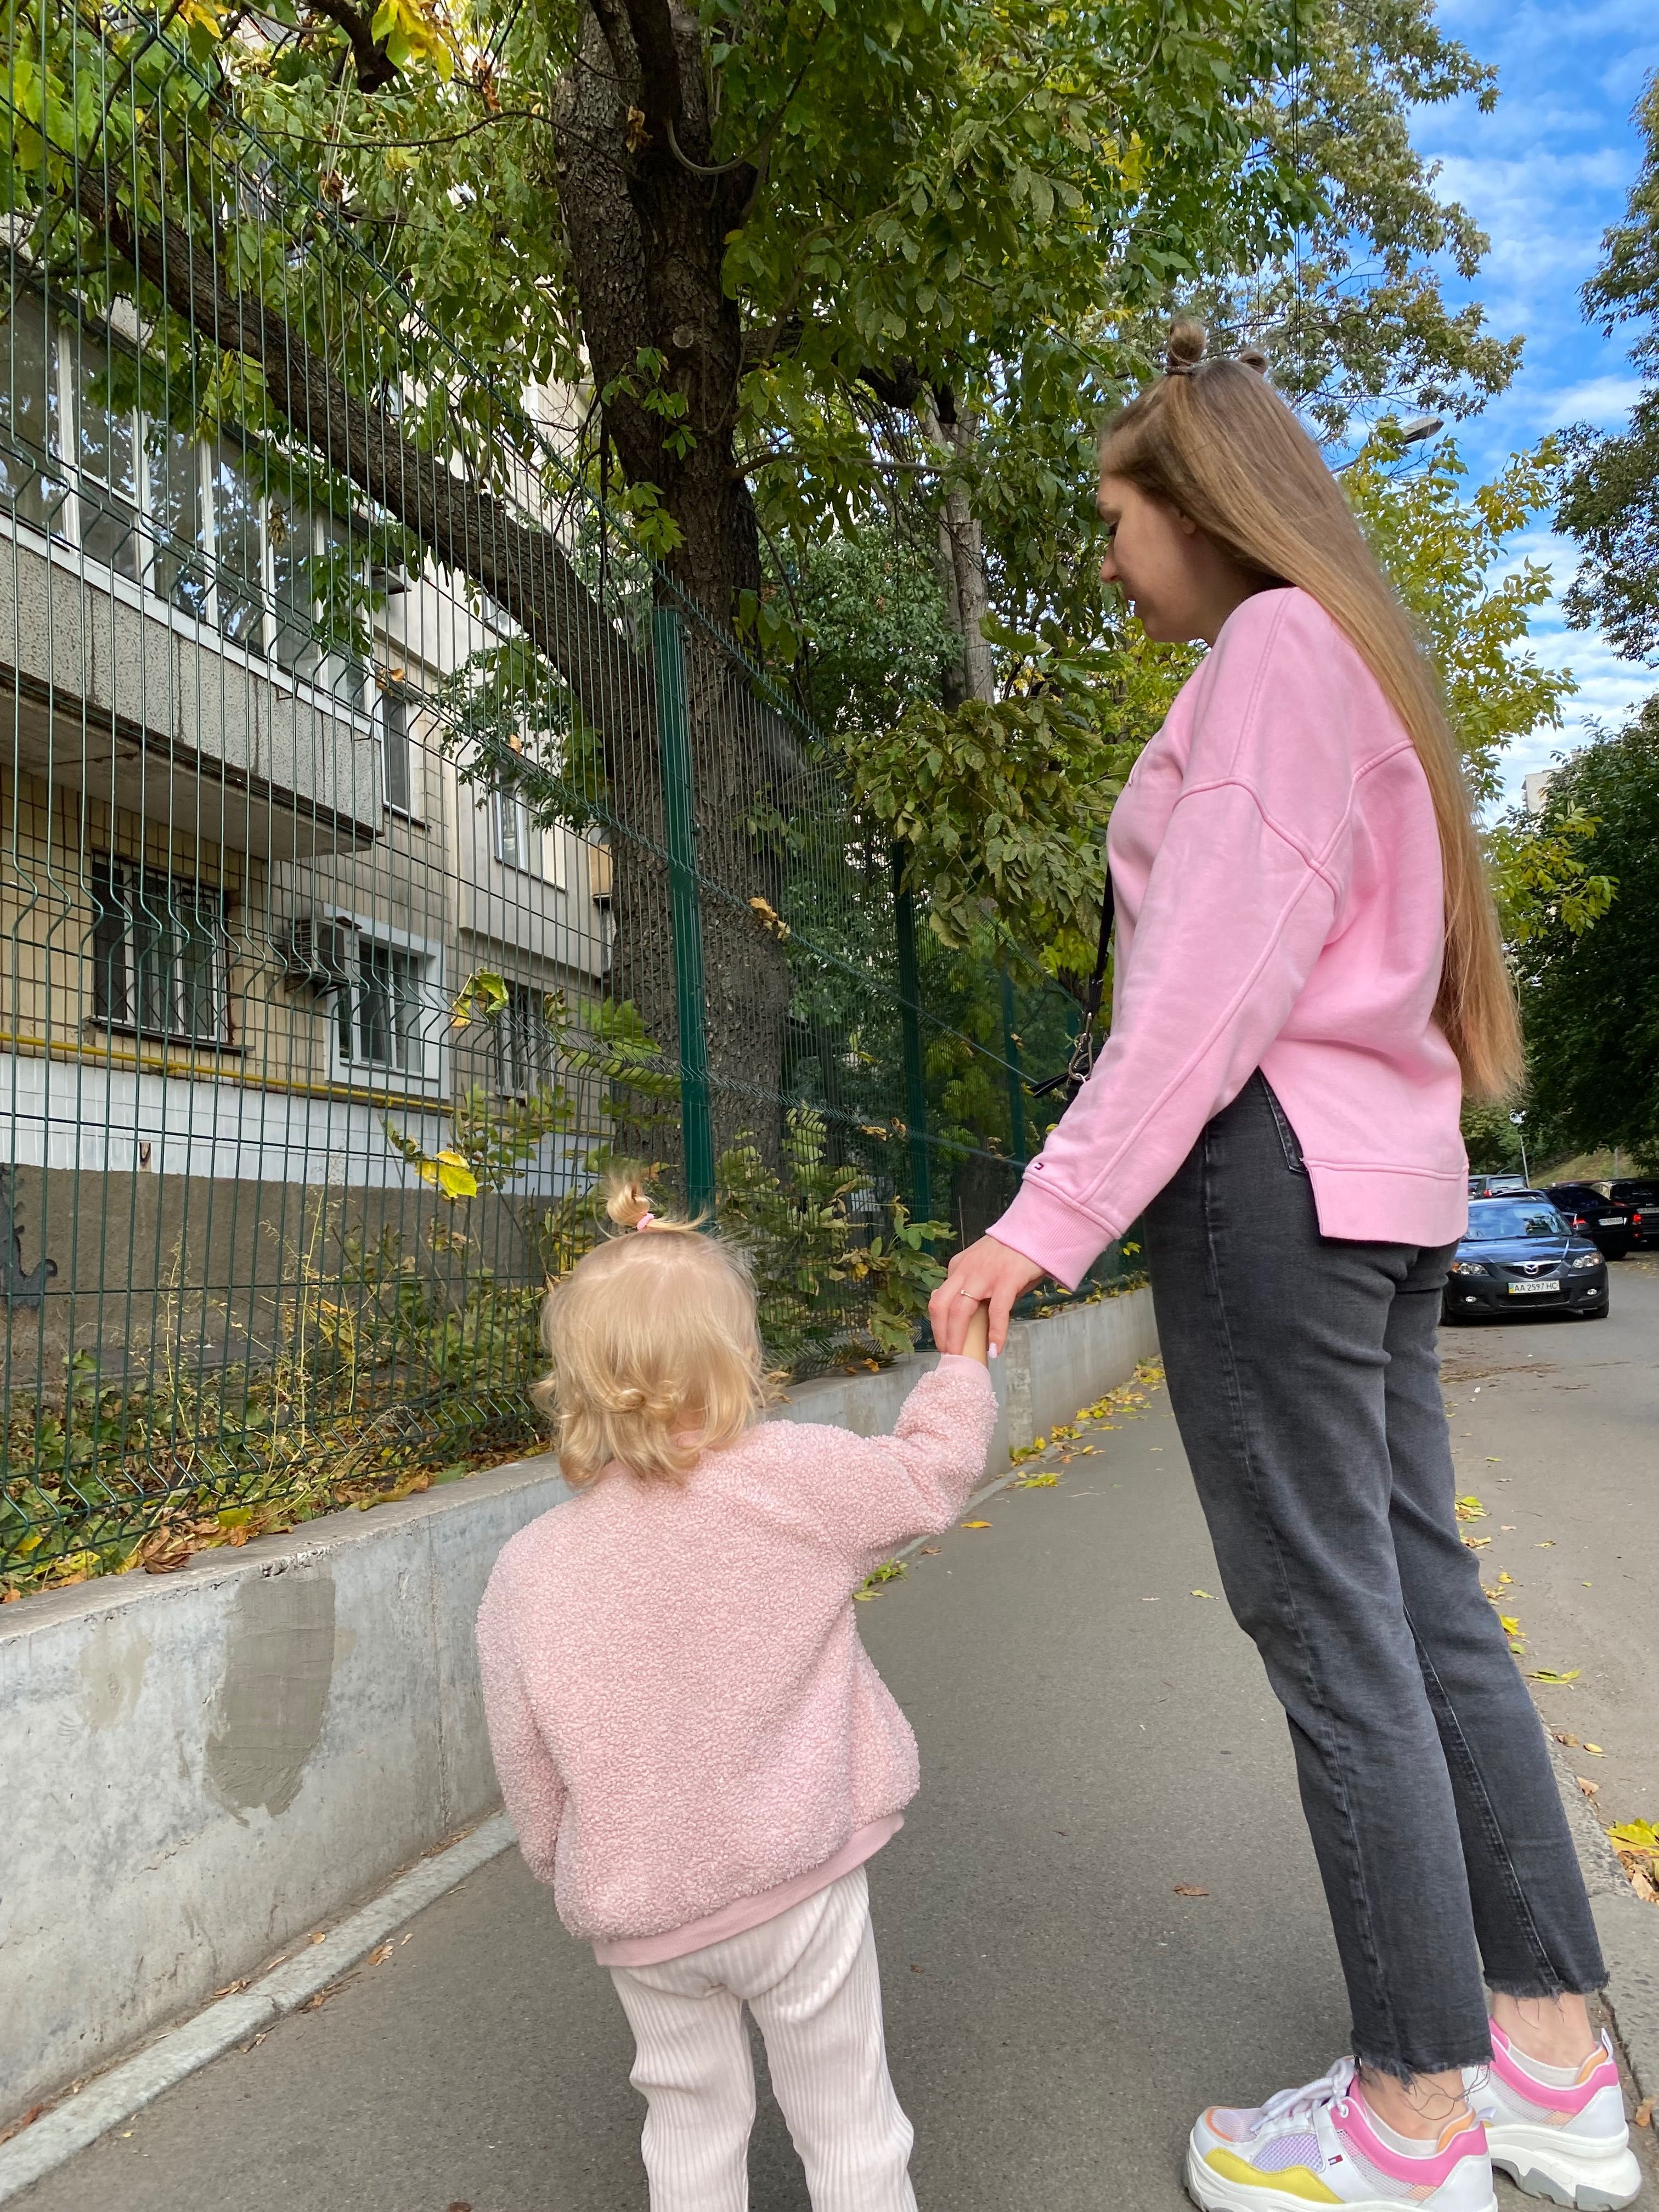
{"points": [[1554, 2031], [1422, 2108]]}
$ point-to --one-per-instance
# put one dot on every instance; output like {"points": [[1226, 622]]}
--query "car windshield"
{"points": [[1501, 1217]]}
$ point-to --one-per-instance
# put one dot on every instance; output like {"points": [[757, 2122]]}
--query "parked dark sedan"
{"points": [[1610, 1226], [1521, 1256], [1642, 1200]]}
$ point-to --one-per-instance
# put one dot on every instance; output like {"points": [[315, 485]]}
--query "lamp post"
{"points": [[1519, 1120]]}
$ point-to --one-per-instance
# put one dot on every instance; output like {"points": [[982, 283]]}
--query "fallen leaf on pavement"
{"points": [[976, 1524], [1510, 1622], [380, 1954], [928, 1552], [1595, 1749], [1190, 1889], [320, 1937], [315, 2002], [1471, 1509], [1476, 1543], [1036, 1482], [1505, 1575], [1208, 1594], [1571, 1741], [24, 2120], [231, 1989], [1548, 1545], [1550, 1675], [1644, 2113], [1590, 1788]]}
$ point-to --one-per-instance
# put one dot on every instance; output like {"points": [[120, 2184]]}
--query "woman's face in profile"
{"points": [[1155, 557]]}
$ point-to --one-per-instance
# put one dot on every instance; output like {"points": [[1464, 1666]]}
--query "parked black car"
{"points": [[1521, 1256], [1609, 1225], [1642, 1200]]}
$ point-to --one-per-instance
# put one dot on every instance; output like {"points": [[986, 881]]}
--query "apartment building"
{"points": [[243, 876]]}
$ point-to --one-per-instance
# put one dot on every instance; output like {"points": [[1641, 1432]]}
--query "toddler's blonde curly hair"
{"points": [[655, 1348]]}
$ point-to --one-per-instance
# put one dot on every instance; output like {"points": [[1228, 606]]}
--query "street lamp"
{"points": [[1518, 1119], [1413, 431]]}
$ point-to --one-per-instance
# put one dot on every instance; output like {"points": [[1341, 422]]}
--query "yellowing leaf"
{"points": [[1471, 1509], [1549, 1674], [1208, 1594], [976, 1524], [1508, 1624]]}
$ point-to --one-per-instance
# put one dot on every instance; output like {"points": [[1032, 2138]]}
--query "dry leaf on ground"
{"points": [[1190, 1889]]}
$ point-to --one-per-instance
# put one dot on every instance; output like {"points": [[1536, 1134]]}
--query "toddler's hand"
{"points": [[975, 1346]]}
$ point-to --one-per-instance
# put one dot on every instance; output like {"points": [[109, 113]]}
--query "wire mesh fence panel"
{"points": [[387, 851]]}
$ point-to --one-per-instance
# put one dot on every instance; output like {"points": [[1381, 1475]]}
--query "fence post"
{"points": [[916, 1079], [674, 739], [1015, 1079]]}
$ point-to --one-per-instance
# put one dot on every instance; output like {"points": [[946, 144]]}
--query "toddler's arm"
{"points": [[874, 1493], [531, 1786]]}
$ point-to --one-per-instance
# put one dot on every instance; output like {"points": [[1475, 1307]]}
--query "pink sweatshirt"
{"points": [[688, 1734], [1281, 906]]}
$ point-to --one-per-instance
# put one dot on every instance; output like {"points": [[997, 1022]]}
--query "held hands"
{"points": [[986, 1275]]}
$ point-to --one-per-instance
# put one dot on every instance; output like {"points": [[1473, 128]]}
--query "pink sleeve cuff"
{"points": [[1051, 1232]]}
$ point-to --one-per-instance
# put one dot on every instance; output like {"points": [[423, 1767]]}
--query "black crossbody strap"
{"points": [[1107, 910], [1075, 1073]]}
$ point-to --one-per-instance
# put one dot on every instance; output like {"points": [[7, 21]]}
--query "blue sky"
{"points": [[1544, 175]]}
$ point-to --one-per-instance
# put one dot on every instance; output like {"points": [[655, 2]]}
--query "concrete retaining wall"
{"points": [[196, 1769]]}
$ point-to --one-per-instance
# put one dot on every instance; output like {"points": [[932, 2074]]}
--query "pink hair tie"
{"points": [[646, 1220]]}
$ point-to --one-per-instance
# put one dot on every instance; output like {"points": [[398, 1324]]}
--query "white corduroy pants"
{"points": [[809, 1978]]}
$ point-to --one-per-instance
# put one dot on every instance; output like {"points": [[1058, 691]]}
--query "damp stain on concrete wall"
{"points": [[268, 1716], [112, 1669]]}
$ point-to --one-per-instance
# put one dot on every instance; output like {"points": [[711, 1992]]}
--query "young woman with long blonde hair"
{"points": [[1309, 978]]}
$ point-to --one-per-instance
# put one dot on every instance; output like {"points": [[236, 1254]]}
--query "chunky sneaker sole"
{"points": [[1318, 2145], [1212, 2191], [1567, 2143]]}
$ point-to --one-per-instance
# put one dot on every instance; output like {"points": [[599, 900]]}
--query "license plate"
{"points": [[1533, 1289], [1614, 1221]]}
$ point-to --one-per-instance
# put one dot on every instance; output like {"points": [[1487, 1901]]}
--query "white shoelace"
{"points": [[1290, 2110]]}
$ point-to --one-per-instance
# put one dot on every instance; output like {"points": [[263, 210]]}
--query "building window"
{"points": [[380, 1016], [518, 839], [158, 954], [195, 524], [524, 1043], [398, 749]]}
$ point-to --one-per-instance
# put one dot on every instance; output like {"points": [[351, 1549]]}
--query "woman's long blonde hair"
{"points": [[655, 1349], [1212, 439]]}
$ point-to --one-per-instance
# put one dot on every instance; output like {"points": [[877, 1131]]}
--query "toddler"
{"points": [[693, 1744]]}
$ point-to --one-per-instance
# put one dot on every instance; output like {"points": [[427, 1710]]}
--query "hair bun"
{"points": [[1188, 344], [625, 1201], [1252, 357]]}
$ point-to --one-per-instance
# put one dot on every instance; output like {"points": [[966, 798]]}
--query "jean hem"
{"points": [[1407, 2071], [1534, 1985]]}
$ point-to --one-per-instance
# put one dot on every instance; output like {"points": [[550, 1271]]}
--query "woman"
{"points": [[1308, 978]]}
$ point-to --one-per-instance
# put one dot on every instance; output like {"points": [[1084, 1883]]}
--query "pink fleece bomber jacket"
{"points": [[684, 1721], [1281, 906]]}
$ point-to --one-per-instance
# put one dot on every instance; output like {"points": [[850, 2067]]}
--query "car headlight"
{"points": [[1470, 1267], [1587, 1260]]}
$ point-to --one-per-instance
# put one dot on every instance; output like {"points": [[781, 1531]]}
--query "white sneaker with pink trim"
{"points": [[1319, 2145], [1566, 2141]]}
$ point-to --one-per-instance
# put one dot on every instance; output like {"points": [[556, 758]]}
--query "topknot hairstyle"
{"points": [[1188, 344], [654, 1347]]}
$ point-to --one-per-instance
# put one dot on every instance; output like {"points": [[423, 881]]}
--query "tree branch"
{"points": [[376, 67], [523, 568]]}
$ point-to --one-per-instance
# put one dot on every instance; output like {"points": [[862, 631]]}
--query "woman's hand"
{"points": [[986, 1274]]}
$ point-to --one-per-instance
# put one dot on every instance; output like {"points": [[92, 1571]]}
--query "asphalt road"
{"points": [[1095, 1734]]}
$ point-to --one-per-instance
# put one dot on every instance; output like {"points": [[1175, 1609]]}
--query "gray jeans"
{"points": [[1304, 1378]]}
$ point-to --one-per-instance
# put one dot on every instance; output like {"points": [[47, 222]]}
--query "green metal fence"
{"points": [[386, 848]]}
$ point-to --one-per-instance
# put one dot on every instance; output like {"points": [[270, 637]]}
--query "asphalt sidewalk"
{"points": [[1102, 1914]]}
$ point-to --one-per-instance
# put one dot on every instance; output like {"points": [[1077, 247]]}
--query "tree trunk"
{"points": [[960, 564], [647, 233]]}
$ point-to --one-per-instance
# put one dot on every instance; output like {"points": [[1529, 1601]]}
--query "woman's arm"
{"points": [[1242, 898]]}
